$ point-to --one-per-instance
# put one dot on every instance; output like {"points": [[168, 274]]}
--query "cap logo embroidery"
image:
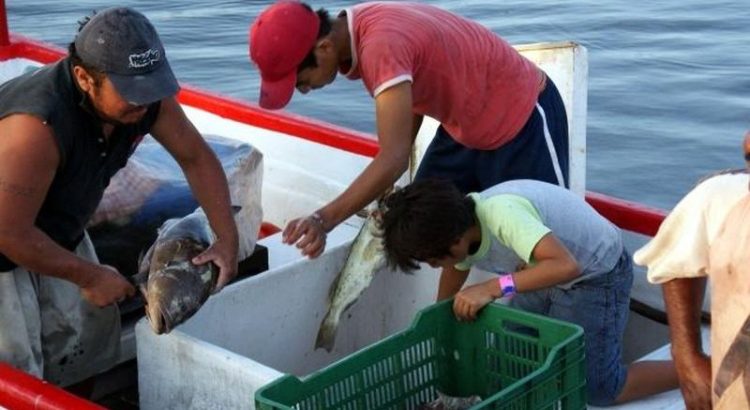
{"points": [[145, 59]]}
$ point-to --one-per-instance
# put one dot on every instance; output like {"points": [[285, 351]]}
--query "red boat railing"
{"points": [[19, 390]]}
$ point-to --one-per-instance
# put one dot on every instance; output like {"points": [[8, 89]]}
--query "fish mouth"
{"points": [[160, 320]]}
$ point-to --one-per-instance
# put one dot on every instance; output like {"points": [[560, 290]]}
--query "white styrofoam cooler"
{"points": [[260, 327]]}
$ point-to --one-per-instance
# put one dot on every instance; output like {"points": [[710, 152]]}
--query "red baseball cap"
{"points": [[280, 39]]}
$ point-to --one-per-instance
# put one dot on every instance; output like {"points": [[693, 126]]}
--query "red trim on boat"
{"points": [[267, 229], [34, 50], [284, 122], [21, 391], [627, 215]]}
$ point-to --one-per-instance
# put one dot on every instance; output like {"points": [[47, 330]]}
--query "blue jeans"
{"points": [[599, 305], [526, 156]]}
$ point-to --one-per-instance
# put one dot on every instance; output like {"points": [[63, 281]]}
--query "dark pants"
{"points": [[526, 156], [600, 305]]}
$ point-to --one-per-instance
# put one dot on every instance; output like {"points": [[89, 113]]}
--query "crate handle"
{"points": [[520, 329]]}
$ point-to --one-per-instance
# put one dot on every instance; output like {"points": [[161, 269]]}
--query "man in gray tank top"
{"points": [[65, 130]]}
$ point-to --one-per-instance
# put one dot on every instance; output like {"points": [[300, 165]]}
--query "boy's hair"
{"points": [[422, 221], [323, 30]]}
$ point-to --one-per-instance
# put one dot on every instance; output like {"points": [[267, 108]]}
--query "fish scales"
{"points": [[365, 258]]}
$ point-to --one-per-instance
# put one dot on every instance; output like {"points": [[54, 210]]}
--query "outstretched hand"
{"points": [[309, 235], [224, 255]]}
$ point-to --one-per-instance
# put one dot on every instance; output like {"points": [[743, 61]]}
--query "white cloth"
{"points": [[730, 313], [49, 331], [681, 246]]}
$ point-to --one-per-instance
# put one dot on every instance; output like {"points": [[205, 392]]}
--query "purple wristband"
{"points": [[507, 285]]}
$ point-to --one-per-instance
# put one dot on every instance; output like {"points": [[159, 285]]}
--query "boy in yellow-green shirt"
{"points": [[574, 266]]}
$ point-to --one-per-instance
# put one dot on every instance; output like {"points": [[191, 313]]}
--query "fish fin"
{"points": [[382, 199], [144, 261], [139, 278], [140, 282], [327, 331], [332, 289], [326, 335], [379, 205], [390, 190]]}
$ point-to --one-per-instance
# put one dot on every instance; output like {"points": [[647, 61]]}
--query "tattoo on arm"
{"points": [[16, 189]]}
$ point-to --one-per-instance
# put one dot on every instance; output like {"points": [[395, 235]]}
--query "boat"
{"points": [[207, 355]]}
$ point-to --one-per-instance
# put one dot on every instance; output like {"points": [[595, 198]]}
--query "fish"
{"points": [[172, 286], [445, 402], [366, 257]]}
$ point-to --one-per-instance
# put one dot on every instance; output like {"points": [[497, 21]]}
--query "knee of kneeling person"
{"points": [[601, 395]]}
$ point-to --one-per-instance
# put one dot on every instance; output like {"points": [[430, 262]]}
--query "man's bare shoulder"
{"points": [[24, 134], [25, 122], [722, 182]]}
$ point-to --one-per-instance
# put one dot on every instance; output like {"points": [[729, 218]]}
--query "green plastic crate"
{"points": [[510, 358]]}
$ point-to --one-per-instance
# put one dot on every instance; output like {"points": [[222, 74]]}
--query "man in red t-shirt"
{"points": [[501, 117]]}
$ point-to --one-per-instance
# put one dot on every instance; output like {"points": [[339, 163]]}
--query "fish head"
{"points": [[176, 288]]}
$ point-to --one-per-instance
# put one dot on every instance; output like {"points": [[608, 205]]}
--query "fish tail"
{"points": [[326, 334]]}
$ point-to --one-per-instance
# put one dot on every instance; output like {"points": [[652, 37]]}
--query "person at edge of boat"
{"points": [[707, 235], [554, 255], [501, 117], [67, 128]]}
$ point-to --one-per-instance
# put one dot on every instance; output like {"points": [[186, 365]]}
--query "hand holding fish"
{"points": [[223, 253], [471, 300], [308, 233], [108, 286]]}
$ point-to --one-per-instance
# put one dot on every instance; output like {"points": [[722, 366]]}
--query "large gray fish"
{"points": [[365, 258], [172, 286]]}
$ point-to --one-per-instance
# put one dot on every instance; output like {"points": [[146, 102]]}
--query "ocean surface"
{"points": [[669, 81]]}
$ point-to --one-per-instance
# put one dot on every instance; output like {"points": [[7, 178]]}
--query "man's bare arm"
{"points": [[684, 302], [396, 137], [29, 158], [207, 180]]}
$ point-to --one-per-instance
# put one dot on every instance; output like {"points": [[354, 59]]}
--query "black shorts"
{"points": [[539, 151]]}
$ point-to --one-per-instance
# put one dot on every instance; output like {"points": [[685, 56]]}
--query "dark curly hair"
{"points": [[422, 221], [323, 30]]}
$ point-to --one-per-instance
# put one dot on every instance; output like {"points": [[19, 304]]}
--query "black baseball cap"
{"points": [[122, 43]]}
